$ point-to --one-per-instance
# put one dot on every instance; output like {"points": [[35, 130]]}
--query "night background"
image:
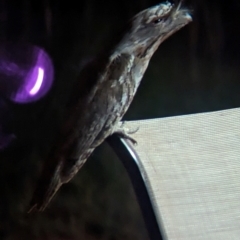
{"points": [[196, 70]]}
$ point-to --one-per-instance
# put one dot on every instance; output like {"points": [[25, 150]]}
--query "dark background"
{"points": [[196, 70]]}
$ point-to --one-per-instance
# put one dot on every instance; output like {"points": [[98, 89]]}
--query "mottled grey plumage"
{"points": [[105, 90]]}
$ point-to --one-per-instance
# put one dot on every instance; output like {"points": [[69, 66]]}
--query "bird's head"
{"points": [[152, 26]]}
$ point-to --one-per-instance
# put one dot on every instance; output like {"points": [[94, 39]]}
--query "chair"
{"points": [[186, 174]]}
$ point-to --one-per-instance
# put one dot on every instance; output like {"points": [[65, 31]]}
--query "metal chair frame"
{"points": [[131, 161]]}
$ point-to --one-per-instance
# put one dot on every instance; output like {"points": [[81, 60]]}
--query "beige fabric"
{"points": [[193, 167]]}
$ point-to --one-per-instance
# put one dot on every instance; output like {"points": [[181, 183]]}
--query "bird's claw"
{"points": [[124, 132]]}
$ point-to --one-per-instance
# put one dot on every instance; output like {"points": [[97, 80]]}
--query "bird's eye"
{"points": [[158, 20]]}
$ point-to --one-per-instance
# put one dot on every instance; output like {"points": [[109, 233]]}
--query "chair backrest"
{"points": [[192, 164]]}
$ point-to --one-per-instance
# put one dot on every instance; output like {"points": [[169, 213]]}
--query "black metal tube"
{"points": [[131, 161]]}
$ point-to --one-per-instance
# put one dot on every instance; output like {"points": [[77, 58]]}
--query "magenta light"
{"points": [[26, 72], [38, 82]]}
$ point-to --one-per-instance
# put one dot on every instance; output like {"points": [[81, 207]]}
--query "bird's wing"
{"points": [[88, 124], [102, 106]]}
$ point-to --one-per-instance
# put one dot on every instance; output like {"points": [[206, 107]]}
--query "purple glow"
{"points": [[26, 72], [38, 79], [38, 82]]}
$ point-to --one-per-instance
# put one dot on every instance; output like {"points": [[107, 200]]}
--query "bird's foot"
{"points": [[124, 132]]}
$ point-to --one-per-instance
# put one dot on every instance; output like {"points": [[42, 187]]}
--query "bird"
{"points": [[104, 90]]}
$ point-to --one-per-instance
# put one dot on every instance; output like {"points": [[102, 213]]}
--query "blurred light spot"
{"points": [[38, 82], [26, 73]]}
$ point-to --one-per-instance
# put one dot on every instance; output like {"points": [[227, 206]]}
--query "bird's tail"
{"points": [[46, 189]]}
